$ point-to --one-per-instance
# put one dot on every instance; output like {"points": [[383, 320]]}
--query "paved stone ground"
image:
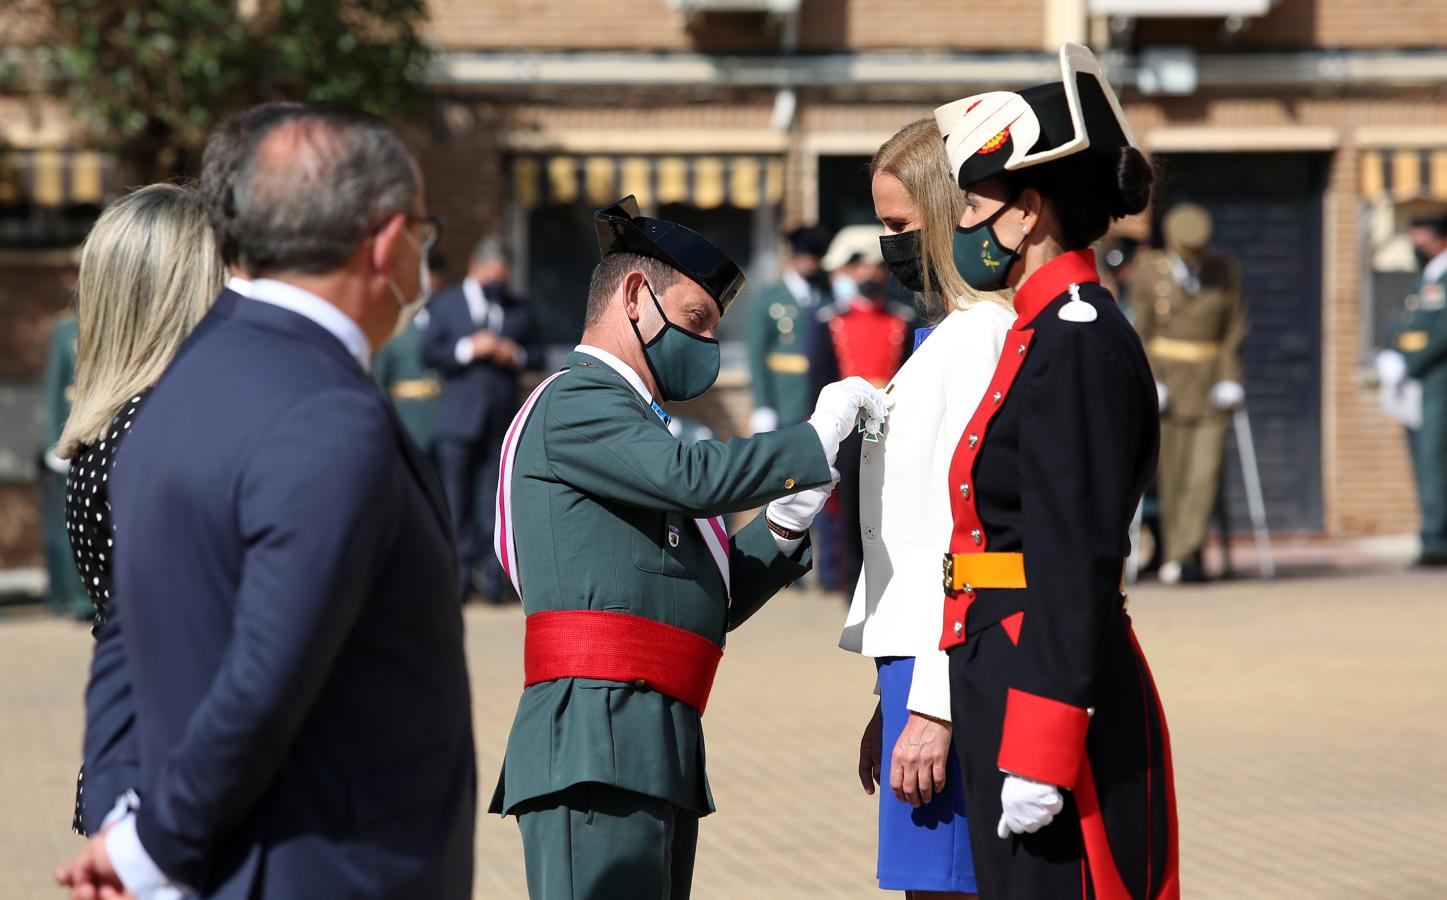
{"points": [[1308, 718]]}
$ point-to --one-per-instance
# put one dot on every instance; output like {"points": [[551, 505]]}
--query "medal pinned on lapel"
{"points": [[872, 428], [673, 536]]}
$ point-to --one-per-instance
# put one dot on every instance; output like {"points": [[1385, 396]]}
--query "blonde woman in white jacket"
{"points": [[924, 845]]}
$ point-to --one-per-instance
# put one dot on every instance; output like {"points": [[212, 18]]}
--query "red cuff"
{"points": [[1044, 739]]}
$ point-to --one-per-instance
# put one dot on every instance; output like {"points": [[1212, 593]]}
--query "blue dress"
{"points": [[924, 849]]}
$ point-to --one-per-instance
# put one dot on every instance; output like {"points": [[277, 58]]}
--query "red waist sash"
{"points": [[615, 646]]}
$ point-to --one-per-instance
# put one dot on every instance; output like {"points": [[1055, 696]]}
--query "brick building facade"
{"points": [[1312, 128]]}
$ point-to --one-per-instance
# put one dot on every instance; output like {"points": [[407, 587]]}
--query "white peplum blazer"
{"points": [[904, 504]]}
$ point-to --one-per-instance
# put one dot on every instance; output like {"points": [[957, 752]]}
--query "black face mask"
{"points": [[1423, 257], [902, 255]]}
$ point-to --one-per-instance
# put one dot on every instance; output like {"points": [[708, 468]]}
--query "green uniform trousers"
{"points": [[1187, 477], [598, 842], [1429, 460]]}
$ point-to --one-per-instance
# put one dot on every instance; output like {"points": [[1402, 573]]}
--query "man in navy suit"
{"points": [[480, 337], [292, 638]]}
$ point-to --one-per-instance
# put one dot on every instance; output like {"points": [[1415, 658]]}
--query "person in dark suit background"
{"points": [[480, 337], [285, 558]]}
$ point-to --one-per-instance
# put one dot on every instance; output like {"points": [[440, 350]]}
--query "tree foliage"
{"points": [[150, 79]]}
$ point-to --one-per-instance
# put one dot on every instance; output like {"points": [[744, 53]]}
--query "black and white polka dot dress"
{"points": [[88, 525]]}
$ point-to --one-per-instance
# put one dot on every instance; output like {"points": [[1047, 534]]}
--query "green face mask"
{"points": [[683, 364], [982, 260]]}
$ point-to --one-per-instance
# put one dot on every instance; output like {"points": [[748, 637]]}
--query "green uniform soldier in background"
{"points": [[1417, 350], [64, 594], [778, 356], [1188, 308], [399, 371], [609, 528]]}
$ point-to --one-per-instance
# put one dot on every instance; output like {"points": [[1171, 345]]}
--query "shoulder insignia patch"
{"points": [[1077, 310]]}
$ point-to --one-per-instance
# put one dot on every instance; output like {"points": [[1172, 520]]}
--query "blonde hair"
{"points": [[149, 270], [916, 156]]}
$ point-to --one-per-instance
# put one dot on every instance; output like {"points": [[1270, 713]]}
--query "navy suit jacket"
{"points": [[292, 633], [479, 396]]}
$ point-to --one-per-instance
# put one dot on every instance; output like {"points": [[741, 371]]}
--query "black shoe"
{"points": [[1432, 559], [1192, 573]]}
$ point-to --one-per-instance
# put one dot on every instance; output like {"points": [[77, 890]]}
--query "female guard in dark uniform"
{"points": [[1064, 748]]}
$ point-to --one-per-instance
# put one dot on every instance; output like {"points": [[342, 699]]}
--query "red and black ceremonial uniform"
{"points": [[1047, 679]]}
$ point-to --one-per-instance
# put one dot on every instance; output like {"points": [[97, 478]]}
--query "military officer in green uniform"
{"points": [[1188, 308], [608, 527], [778, 357], [65, 595], [401, 374], [1417, 351]]}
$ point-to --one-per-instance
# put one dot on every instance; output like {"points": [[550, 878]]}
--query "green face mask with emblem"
{"points": [[981, 259], [683, 364]]}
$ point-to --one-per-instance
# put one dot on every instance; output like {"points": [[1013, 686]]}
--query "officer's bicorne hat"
{"points": [[1003, 131], [622, 230]]}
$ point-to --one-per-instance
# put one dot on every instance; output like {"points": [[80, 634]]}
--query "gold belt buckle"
{"points": [[949, 573]]}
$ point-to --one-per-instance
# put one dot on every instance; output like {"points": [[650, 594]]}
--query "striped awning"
{"points": [[1398, 175], [55, 178], [744, 180]]}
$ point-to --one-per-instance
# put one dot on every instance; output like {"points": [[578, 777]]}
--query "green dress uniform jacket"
{"points": [[602, 504], [1421, 338], [1193, 337], [65, 593], [412, 386], [778, 357]]}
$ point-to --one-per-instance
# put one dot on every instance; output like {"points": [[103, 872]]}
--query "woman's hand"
{"points": [[917, 766], [870, 748]]}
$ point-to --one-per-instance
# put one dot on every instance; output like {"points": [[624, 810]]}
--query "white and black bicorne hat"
{"points": [[1004, 131]]}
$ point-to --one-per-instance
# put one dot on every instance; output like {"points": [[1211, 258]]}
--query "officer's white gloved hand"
{"points": [[1163, 397], [1227, 395], [1391, 369], [1027, 806], [796, 512], [840, 406], [763, 419]]}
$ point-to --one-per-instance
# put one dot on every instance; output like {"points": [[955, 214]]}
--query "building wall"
{"points": [[1302, 24]]}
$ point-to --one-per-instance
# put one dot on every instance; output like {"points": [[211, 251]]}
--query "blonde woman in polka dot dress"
{"points": [[148, 272]]}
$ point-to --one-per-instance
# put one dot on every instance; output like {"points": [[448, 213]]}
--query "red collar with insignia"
{"points": [[1051, 280]]}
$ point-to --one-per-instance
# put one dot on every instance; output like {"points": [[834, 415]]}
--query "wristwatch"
{"points": [[783, 532]]}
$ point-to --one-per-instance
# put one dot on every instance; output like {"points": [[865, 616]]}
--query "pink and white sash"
{"points": [[504, 543]]}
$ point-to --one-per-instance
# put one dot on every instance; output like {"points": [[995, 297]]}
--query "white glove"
{"points": [[763, 419], [1027, 806], [1163, 397], [56, 464], [1227, 394], [1391, 369], [839, 408], [796, 512]]}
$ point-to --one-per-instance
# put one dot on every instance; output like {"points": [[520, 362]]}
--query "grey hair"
{"points": [[490, 249], [314, 186]]}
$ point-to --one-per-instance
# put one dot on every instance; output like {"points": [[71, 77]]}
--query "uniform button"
{"points": [[788, 484], [997, 396], [976, 536], [869, 531], [1090, 712], [965, 491], [864, 456], [1021, 350], [959, 628], [974, 439], [640, 683], [969, 591]]}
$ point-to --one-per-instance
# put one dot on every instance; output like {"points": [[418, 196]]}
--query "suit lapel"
{"points": [[421, 468]]}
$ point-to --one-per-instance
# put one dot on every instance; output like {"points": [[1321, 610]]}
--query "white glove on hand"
{"points": [[1027, 806], [796, 512], [839, 408], [763, 419], [1227, 395], [1391, 369], [1163, 397]]}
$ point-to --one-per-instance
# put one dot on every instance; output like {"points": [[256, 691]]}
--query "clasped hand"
{"points": [[90, 875], [840, 406]]}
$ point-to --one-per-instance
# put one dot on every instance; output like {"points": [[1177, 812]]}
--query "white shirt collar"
{"points": [[476, 299], [308, 305], [238, 285], [1436, 267], [619, 366], [798, 287]]}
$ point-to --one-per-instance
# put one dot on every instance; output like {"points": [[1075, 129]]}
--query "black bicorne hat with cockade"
{"points": [[622, 230], [1004, 131]]}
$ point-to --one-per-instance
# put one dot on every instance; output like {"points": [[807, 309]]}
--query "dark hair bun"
{"points": [[1133, 179]]}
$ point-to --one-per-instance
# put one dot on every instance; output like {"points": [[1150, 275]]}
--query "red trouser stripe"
{"points": [[615, 646]]}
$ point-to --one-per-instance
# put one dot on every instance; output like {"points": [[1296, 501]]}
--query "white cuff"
{"points": [[929, 688], [463, 351], [787, 546], [138, 872], [56, 464]]}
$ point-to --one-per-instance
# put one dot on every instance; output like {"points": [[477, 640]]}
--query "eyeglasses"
{"points": [[430, 231]]}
